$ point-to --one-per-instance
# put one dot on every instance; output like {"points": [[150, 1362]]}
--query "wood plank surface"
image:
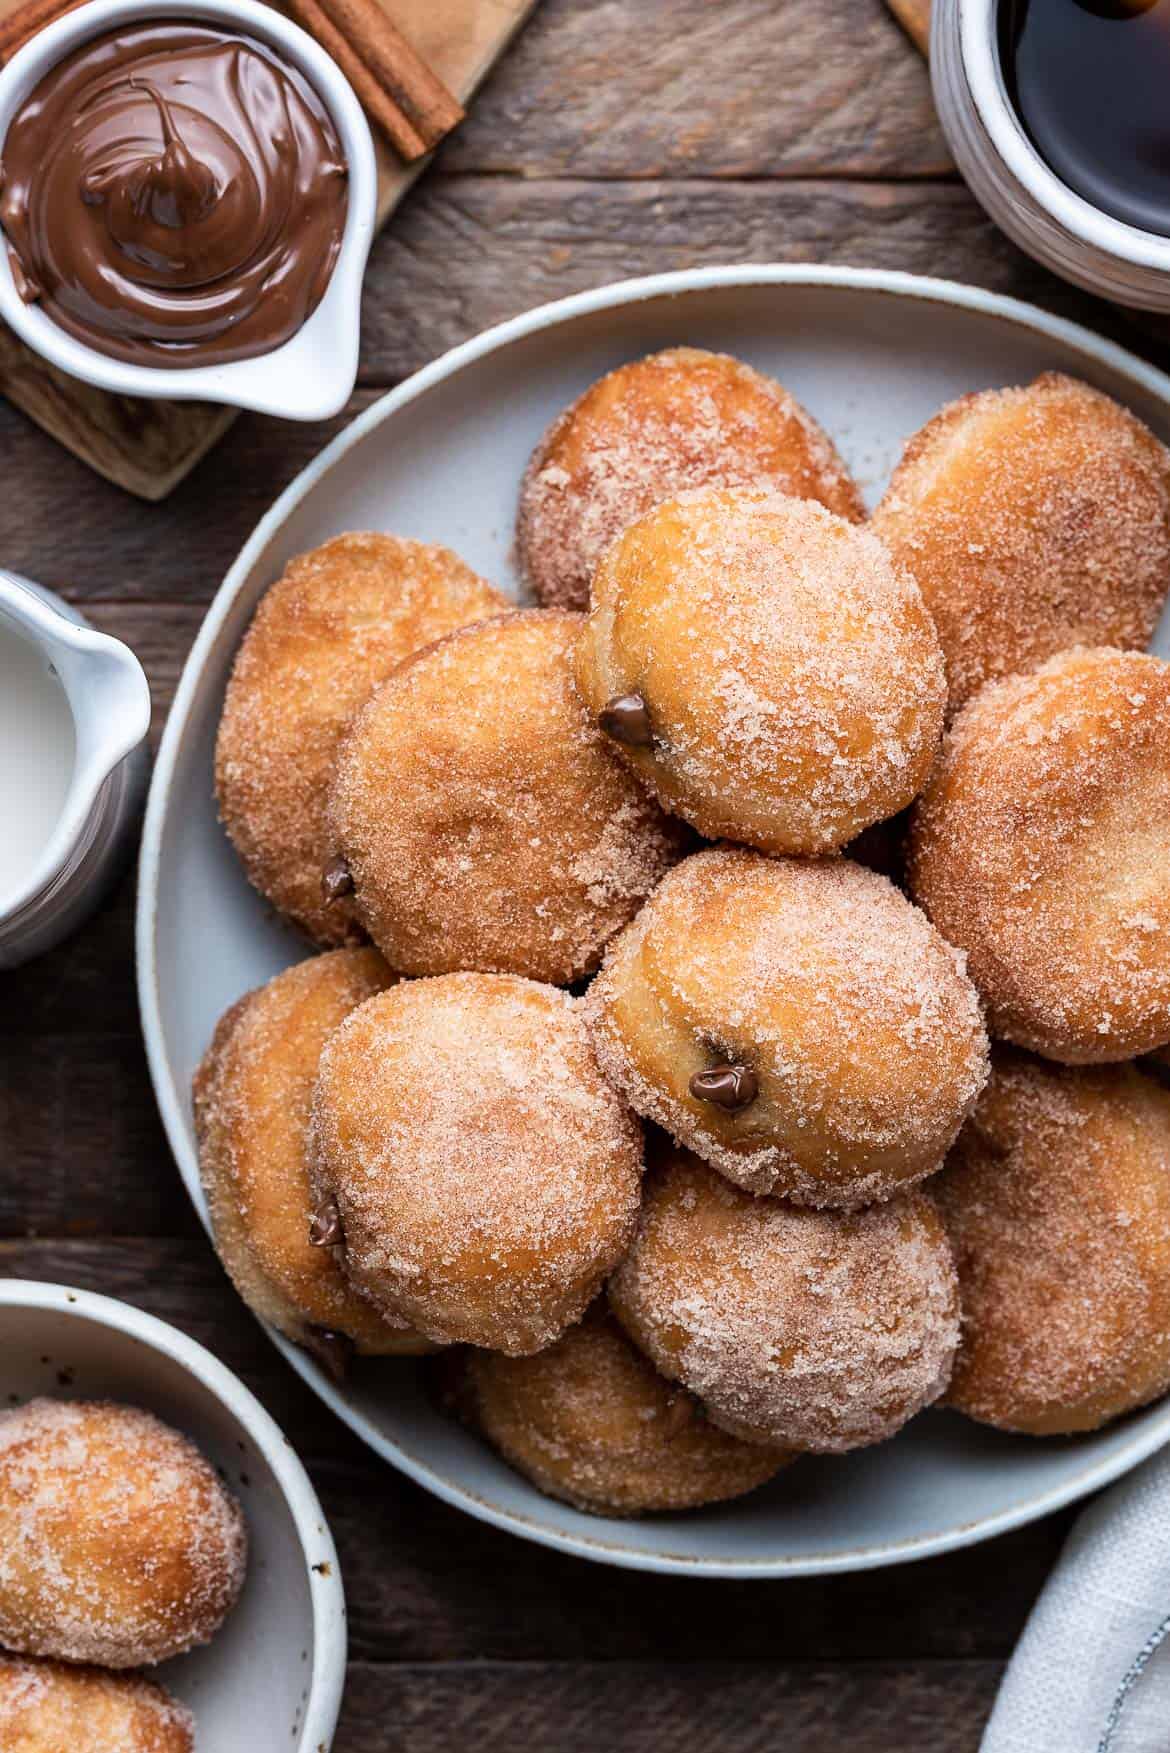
{"points": [[618, 137]]}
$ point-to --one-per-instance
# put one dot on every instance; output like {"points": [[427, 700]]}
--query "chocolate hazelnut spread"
{"points": [[174, 195]]}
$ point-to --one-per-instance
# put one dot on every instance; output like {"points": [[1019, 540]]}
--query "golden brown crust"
{"points": [[811, 1330], [790, 672], [1033, 519], [333, 626], [118, 1544], [1057, 1202], [652, 429], [253, 1093], [854, 1017], [1040, 849], [486, 1175], [46, 1707], [486, 822], [590, 1421]]}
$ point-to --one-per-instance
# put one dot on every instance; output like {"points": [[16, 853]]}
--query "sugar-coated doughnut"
{"points": [[253, 1094], [765, 668], [652, 429], [1041, 847], [1033, 519], [119, 1546], [798, 1023], [485, 820], [484, 1175], [815, 1330], [48, 1707], [592, 1422], [332, 627], [1057, 1202]]}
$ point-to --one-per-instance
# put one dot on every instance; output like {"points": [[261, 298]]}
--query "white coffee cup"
{"points": [[1009, 178], [74, 716]]}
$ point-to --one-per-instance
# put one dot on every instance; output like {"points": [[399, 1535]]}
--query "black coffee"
{"points": [[1091, 84]]}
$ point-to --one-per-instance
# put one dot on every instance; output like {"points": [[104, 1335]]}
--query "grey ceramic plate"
{"points": [[872, 355]]}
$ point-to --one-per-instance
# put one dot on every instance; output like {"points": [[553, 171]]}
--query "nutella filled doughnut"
{"points": [[47, 1707], [327, 632], [653, 429], [797, 1023], [765, 668], [1057, 1202], [1033, 519], [484, 1176], [816, 1330], [1041, 848], [592, 1422], [118, 1544], [253, 1094], [485, 821]]}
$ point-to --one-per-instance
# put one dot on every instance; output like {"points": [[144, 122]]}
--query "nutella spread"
{"points": [[174, 195]]}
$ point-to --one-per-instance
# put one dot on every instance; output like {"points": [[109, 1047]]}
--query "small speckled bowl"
{"points": [[274, 1675]]}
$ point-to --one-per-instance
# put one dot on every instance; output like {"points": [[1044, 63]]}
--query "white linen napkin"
{"points": [[1091, 1673]]}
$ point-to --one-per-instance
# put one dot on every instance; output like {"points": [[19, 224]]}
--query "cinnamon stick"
{"points": [[418, 92], [22, 25]]}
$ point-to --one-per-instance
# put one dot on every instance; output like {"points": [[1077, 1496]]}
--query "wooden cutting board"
{"points": [[148, 447]]}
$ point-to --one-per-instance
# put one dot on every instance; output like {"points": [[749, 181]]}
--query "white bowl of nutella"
{"points": [[1055, 114], [188, 203], [74, 715]]}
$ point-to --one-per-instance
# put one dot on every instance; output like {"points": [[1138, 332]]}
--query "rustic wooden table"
{"points": [[618, 137]]}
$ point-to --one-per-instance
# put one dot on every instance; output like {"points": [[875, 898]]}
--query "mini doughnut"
{"points": [[1033, 519], [46, 1707], [485, 821], [765, 669], [253, 1093], [1040, 848], [648, 431], [484, 1175], [118, 1544], [327, 632], [814, 1330], [591, 1422], [1057, 1203], [799, 1024]]}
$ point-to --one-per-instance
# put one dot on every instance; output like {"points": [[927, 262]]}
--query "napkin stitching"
{"points": [[1132, 1675]]}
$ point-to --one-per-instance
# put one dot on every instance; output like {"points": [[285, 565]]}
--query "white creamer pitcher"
{"points": [[74, 715]]}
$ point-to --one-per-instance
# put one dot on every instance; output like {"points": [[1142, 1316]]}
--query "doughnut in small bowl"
{"points": [[649, 430], [50, 1707]]}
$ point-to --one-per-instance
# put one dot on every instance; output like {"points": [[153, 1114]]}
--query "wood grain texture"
{"points": [[148, 447]]}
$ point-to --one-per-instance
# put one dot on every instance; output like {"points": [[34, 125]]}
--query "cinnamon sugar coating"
{"points": [[118, 1544], [333, 626], [486, 1176], [1057, 1202], [814, 1330], [253, 1093], [47, 1707], [486, 821], [854, 1017], [591, 1421], [791, 675], [652, 429], [1033, 519], [1041, 847]]}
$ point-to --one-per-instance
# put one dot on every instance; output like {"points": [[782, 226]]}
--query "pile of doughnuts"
{"points": [[644, 1073], [119, 1548]]}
